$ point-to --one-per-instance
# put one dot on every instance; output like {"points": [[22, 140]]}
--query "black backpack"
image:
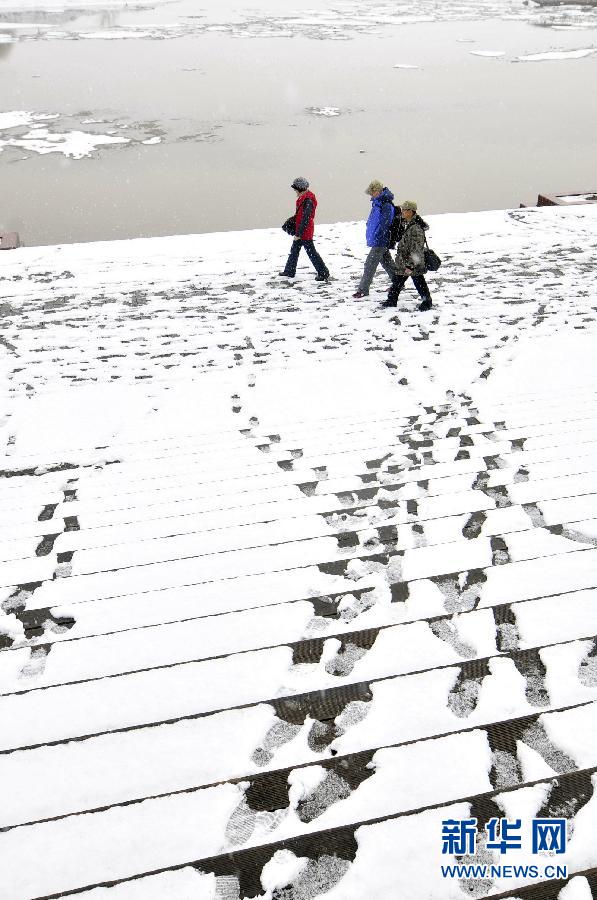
{"points": [[396, 228]]}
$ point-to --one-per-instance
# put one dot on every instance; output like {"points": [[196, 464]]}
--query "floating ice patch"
{"points": [[6, 39], [63, 5], [14, 119], [492, 54], [22, 119], [406, 66], [45, 133], [73, 144], [328, 111], [558, 54], [116, 34]]}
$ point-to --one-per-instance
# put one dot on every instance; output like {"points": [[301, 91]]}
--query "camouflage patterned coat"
{"points": [[410, 250]]}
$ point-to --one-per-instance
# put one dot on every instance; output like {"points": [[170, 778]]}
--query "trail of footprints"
{"points": [[395, 606]]}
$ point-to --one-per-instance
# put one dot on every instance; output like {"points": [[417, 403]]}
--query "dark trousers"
{"points": [[418, 281], [318, 263]]}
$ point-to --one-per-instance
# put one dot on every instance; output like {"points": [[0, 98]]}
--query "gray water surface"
{"points": [[233, 102]]}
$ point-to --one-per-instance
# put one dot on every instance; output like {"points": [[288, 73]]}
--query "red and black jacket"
{"points": [[306, 205]]}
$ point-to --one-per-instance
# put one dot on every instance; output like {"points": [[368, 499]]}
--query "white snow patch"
{"points": [[281, 870], [576, 889], [492, 54], [578, 198], [303, 782], [532, 764]]}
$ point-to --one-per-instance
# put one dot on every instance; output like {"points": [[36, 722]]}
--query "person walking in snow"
{"points": [[379, 226], [410, 258], [306, 204]]}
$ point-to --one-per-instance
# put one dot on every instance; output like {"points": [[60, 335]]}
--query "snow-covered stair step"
{"points": [[292, 550], [480, 690], [20, 548], [127, 564], [185, 552], [368, 608], [157, 506], [209, 465], [349, 434], [29, 509], [538, 463], [539, 410], [333, 520], [153, 468], [30, 488], [186, 882], [253, 526], [444, 450], [297, 527], [182, 884], [243, 431], [132, 836], [130, 481], [315, 443], [342, 462], [109, 479], [456, 591], [551, 398], [341, 647], [88, 767], [282, 485]]}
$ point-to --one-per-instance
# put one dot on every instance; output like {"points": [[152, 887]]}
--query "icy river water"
{"points": [[122, 120]]}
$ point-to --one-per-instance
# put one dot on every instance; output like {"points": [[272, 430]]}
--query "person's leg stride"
{"points": [[318, 264], [398, 283], [388, 264], [290, 267], [374, 257], [423, 292]]}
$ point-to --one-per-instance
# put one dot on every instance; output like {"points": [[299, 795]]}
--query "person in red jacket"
{"points": [[306, 204]]}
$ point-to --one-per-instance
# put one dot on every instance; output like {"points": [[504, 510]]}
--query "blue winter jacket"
{"points": [[380, 219]]}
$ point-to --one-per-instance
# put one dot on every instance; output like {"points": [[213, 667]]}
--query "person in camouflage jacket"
{"points": [[410, 257]]}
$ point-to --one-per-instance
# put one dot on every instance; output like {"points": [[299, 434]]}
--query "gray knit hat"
{"points": [[409, 204], [300, 184]]}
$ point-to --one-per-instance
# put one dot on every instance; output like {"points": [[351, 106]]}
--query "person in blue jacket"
{"points": [[378, 236]]}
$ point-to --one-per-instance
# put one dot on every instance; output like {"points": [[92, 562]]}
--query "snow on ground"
{"points": [[578, 198], [287, 579]]}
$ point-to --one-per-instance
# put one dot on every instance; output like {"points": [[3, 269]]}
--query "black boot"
{"points": [[426, 304], [392, 298]]}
